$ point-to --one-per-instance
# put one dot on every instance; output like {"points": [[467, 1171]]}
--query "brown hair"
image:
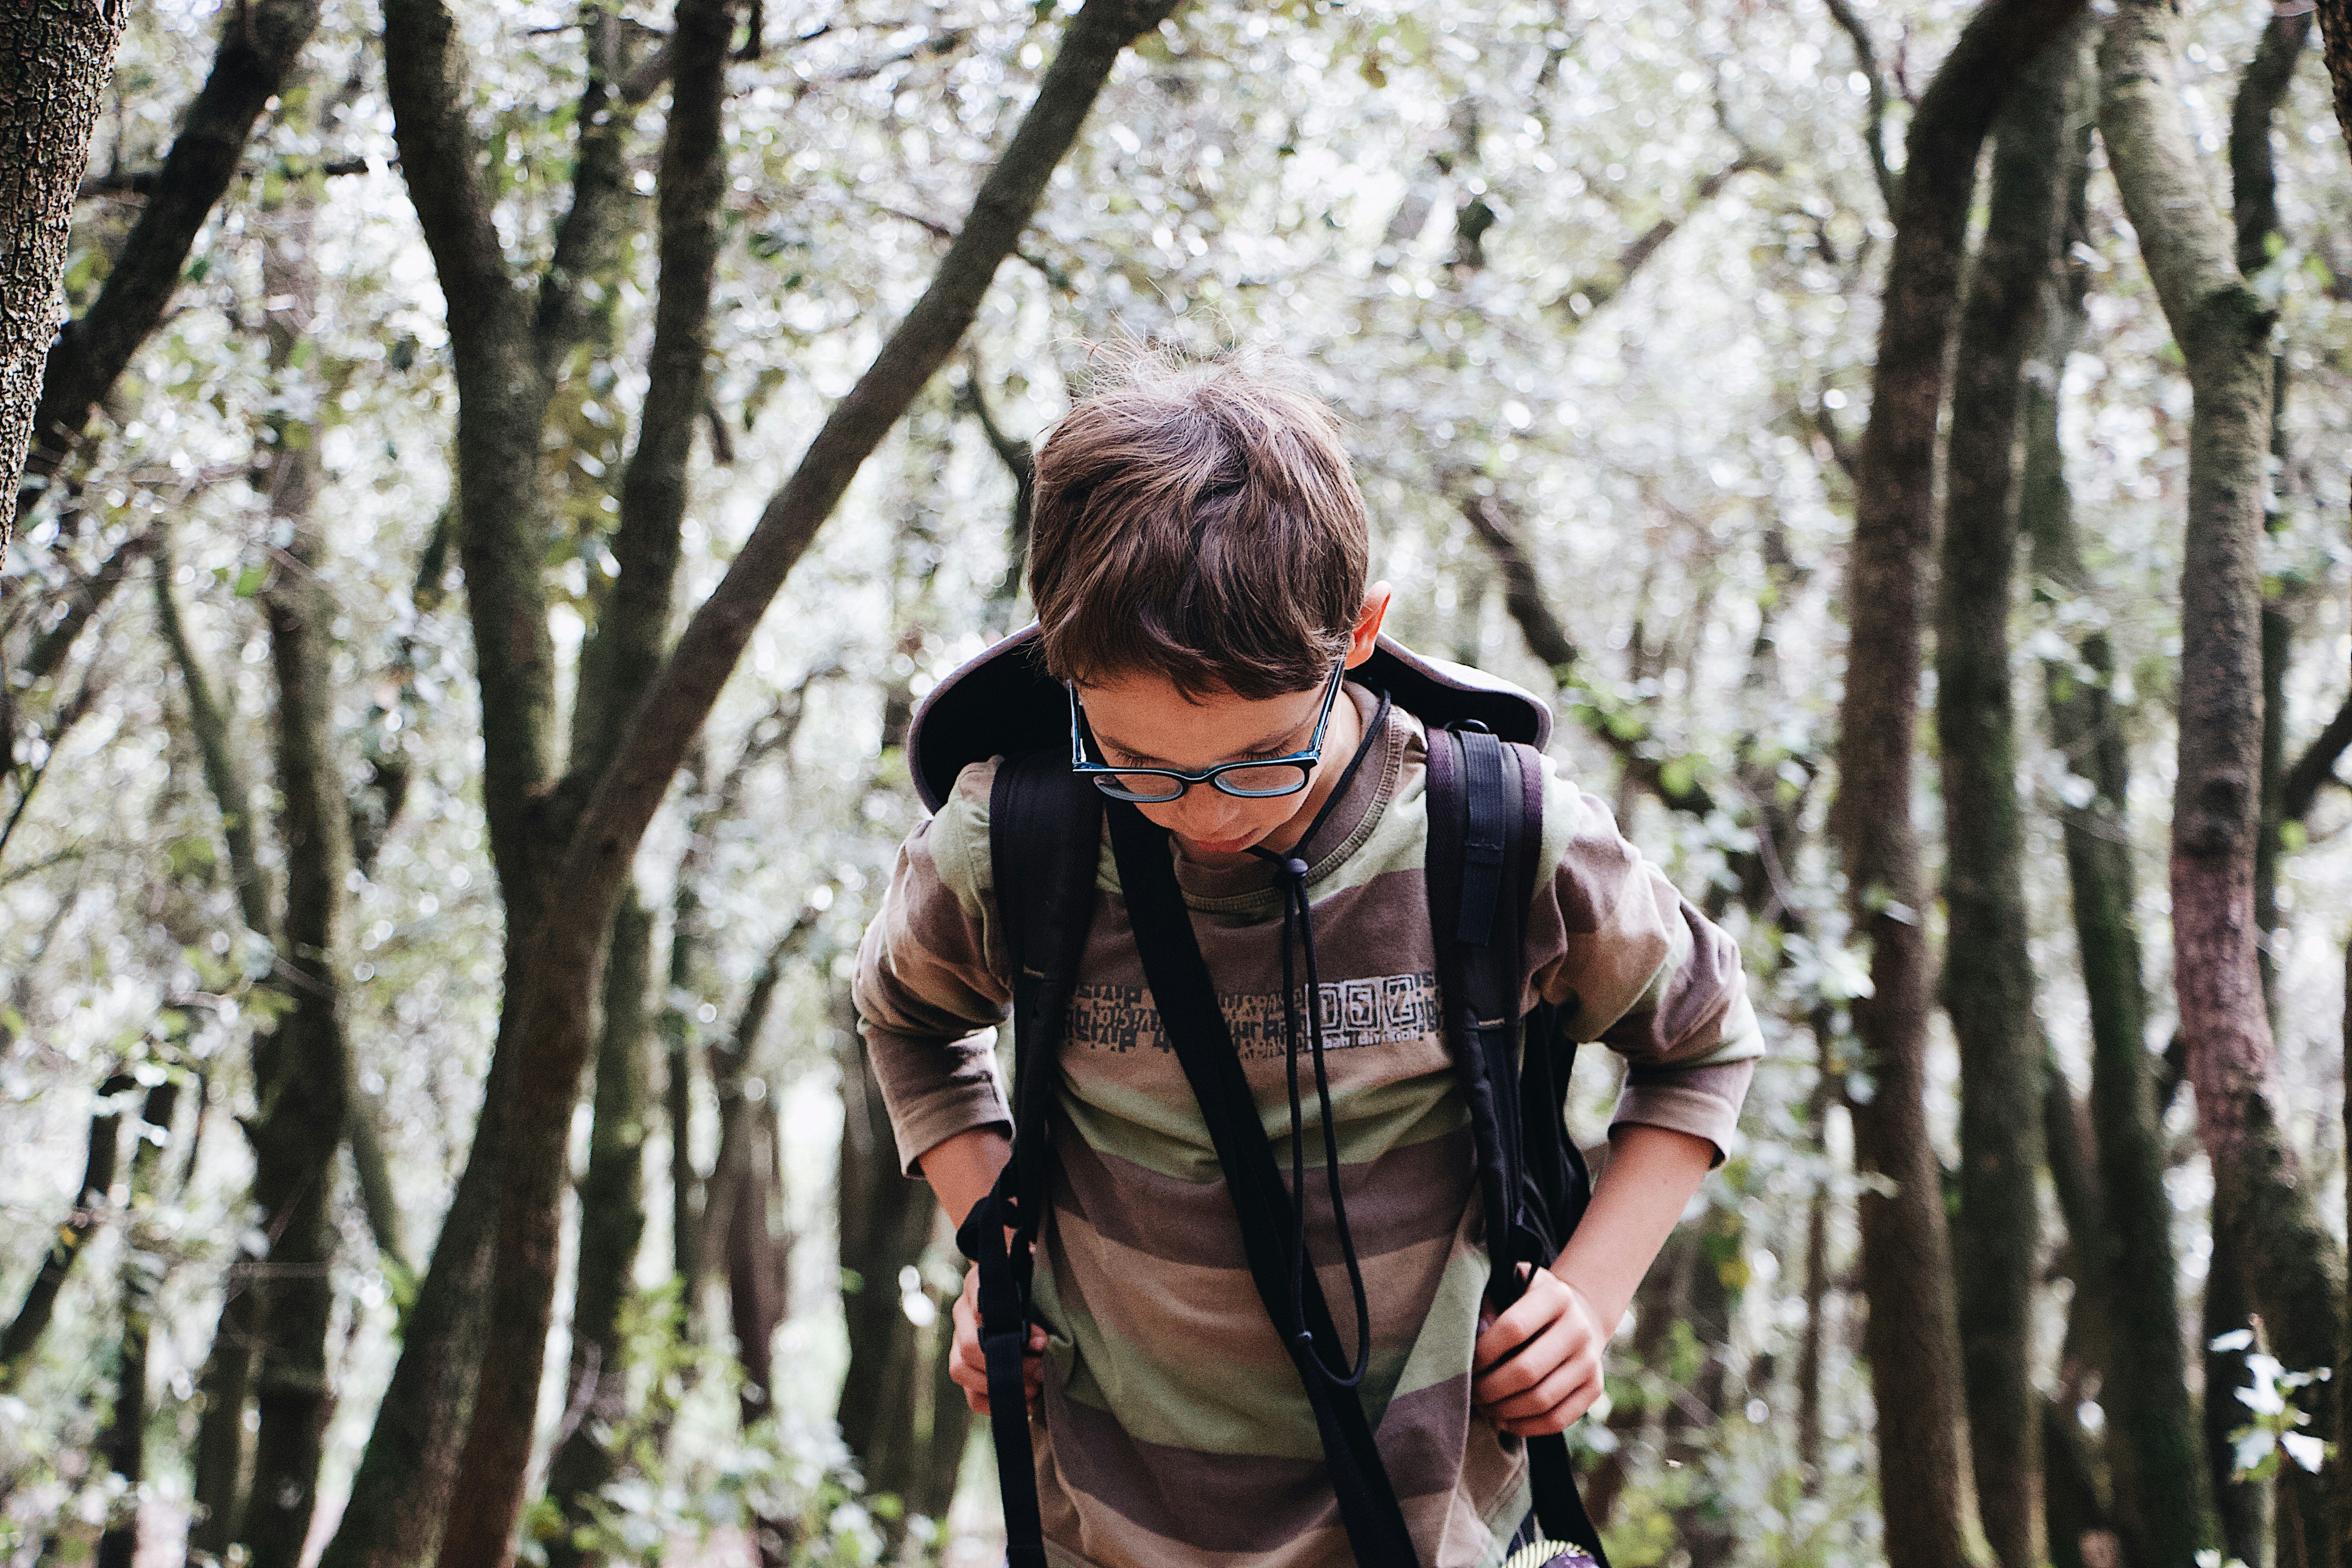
{"points": [[1200, 522]]}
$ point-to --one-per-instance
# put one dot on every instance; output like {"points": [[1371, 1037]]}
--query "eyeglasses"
{"points": [[1250, 780]]}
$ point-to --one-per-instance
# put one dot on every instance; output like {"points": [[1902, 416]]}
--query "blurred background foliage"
{"points": [[1607, 271]]}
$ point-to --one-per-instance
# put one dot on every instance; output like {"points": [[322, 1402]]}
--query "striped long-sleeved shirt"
{"points": [[1173, 1429]]}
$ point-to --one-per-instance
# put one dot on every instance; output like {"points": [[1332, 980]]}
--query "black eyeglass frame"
{"points": [[1102, 773]]}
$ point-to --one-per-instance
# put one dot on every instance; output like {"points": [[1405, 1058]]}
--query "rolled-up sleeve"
{"points": [[929, 989], [1647, 975]]}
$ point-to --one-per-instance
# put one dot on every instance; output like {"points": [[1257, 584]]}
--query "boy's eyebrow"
{"points": [[1265, 744]]}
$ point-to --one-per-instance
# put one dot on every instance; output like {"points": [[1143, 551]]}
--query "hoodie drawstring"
{"points": [[1298, 917]]}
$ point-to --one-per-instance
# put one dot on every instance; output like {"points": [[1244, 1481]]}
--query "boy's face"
{"points": [[1145, 720]]}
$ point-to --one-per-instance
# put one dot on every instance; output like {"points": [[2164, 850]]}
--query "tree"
{"points": [[59, 59], [2292, 1267], [2124, 1248], [556, 940], [1911, 1341], [1987, 981]]}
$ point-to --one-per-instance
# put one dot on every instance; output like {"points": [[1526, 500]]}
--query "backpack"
{"points": [[1046, 826]]}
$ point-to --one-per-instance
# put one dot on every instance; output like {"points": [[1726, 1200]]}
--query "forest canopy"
{"points": [[509, 472]]}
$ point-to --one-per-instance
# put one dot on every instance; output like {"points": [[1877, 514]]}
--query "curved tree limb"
{"points": [[258, 44], [2317, 766], [550, 1016], [1911, 1341]]}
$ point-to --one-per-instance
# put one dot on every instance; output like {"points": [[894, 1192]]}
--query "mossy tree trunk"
{"points": [[1987, 983], [1911, 1339], [2291, 1265]]}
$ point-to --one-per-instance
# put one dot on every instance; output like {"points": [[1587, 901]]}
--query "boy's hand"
{"points": [[1555, 1376], [969, 1367]]}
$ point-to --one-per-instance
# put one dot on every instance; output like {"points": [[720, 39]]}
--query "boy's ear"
{"points": [[1368, 622]]}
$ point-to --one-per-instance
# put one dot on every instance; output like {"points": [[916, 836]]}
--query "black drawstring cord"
{"points": [[1298, 911]]}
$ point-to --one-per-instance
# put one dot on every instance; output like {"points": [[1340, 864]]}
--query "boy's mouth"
{"points": [[1223, 846]]}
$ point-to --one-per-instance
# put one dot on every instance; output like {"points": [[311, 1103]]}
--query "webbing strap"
{"points": [[1485, 816], [1186, 998], [1044, 838]]}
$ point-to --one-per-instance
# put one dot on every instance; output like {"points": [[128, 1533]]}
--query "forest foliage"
{"points": [[1909, 453]]}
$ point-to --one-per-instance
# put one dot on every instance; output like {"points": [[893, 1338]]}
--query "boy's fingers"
{"points": [[1536, 1360]]}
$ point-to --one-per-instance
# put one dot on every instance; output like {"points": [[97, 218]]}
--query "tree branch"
{"points": [[1624, 732], [620, 658], [585, 233], [2299, 791], [232, 792], [1865, 59], [2253, 172], [258, 43], [548, 1030]]}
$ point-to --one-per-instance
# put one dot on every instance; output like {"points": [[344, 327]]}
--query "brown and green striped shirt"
{"points": [[1173, 1429]]}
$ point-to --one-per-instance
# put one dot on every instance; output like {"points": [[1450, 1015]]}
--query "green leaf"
{"points": [[249, 582]]}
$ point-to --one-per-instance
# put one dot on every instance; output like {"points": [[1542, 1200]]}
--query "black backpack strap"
{"points": [[1045, 830], [1486, 832], [1186, 998]]}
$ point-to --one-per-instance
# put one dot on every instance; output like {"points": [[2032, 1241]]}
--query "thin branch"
{"points": [[2299, 791], [1865, 56]]}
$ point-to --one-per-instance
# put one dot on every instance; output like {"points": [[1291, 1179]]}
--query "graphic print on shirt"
{"points": [[1374, 1010]]}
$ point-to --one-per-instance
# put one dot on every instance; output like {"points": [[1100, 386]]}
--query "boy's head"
{"points": [[1199, 523], [1197, 558]]}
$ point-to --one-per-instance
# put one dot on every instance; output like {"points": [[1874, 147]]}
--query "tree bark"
{"points": [[1910, 1339], [619, 658], [2161, 1496], [1987, 981], [24, 1331], [409, 1472], [2293, 1269], [223, 1451], [259, 42], [60, 57], [2253, 204], [612, 1225], [301, 1069], [550, 1003], [885, 1226], [123, 1439], [2335, 32]]}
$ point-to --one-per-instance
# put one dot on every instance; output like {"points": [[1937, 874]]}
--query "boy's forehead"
{"points": [[1148, 715]]}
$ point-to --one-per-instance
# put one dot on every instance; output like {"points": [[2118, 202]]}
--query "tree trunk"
{"points": [[1987, 974], [612, 1223], [676, 1028], [2161, 1496], [24, 1331], [549, 995], [301, 1070], [885, 1227], [1910, 1339], [259, 42], [502, 356], [2253, 203], [60, 57], [223, 1451], [2336, 30], [2247, 1512], [123, 1439], [2292, 1271]]}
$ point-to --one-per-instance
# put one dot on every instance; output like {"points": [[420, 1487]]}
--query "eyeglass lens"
{"points": [[1272, 779]]}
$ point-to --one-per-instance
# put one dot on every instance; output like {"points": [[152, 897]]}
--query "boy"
{"points": [[1198, 562]]}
